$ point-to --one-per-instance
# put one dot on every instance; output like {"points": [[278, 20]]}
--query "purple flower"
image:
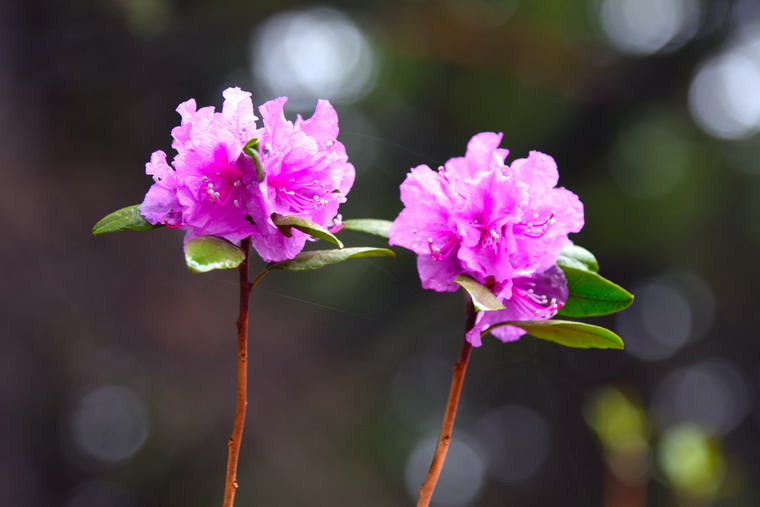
{"points": [[213, 188], [307, 175], [502, 225], [212, 185]]}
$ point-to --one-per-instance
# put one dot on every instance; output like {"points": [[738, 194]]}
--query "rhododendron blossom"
{"points": [[212, 188], [307, 174], [211, 185], [503, 225]]}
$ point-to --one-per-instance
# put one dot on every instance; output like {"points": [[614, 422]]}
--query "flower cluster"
{"points": [[212, 187], [503, 225]]}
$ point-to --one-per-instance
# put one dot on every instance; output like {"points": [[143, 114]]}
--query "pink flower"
{"points": [[213, 188], [212, 185], [307, 174], [502, 225]]}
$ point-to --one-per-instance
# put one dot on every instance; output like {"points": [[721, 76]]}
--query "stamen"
{"points": [[337, 224], [443, 173], [441, 253], [539, 305], [535, 230]]}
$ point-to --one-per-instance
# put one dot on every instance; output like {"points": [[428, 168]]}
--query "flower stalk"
{"points": [[447, 427], [233, 445]]}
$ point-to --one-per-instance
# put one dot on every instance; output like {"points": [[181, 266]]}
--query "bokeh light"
{"points": [[621, 425], [659, 323], [516, 440], [641, 27], [109, 424], [691, 460], [713, 393], [461, 478], [317, 53], [670, 311], [650, 108], [745, 15], [724, 97]]}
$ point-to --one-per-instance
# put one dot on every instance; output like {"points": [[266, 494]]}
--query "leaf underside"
{"points": [[482, 297], [206, 253]]}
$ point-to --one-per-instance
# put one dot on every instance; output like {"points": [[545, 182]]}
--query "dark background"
{"points": [[117, 365]]}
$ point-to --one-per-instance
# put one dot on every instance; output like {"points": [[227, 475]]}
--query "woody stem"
{"points": [[233, 445], [444, 439]]}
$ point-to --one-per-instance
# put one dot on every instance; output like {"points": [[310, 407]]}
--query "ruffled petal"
{"points": [[438, 275], [502, 225], [323, 124], [238, 112], [161, 204]]}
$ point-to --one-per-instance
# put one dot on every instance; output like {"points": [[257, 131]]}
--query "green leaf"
{"points": [[482, 298], [251, 146], [125, 219], [251, 149], [284, 223], [317, 259], [369, 226], [592, 295], [206, 253], [570, 334], [575, 256]]}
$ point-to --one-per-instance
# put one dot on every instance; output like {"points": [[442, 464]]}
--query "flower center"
{"points": [[302, 196], [223, 184], [441, 252], [490, 234], [539, 305], [533, 229]]}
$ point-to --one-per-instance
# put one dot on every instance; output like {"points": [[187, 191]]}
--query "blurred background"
{"points": [[117, 366]]}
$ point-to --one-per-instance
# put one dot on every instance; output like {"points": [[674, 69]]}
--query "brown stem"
{"points": [[457, 379], [233, 445]]}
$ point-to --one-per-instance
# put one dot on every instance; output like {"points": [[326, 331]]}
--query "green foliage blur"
{"points": [[117, 369]]}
